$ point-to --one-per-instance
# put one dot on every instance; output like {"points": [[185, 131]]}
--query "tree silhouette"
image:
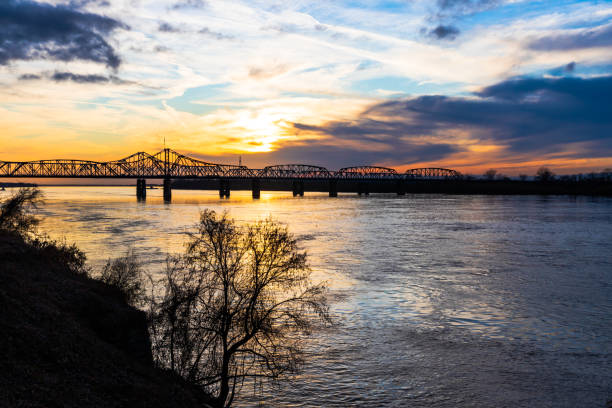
{"points": [[16, 211], [236, 306], [544, 174], [125, 274], [490, 174]]}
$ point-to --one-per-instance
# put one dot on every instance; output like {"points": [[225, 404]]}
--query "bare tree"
{"points": [[544, 174], [490, 174], [236, 306]]}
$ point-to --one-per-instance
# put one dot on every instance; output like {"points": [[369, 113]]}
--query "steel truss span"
{"points": [[433, 173], [170, 164]]}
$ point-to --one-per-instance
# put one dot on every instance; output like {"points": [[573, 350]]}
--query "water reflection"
{"points": [[443, 300]]}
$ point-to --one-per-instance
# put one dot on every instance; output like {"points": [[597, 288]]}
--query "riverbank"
{"points": [[485, 187], [16, 185], [71, 341]]}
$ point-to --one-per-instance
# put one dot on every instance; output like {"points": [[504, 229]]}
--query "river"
{"points": [[442, 301]]}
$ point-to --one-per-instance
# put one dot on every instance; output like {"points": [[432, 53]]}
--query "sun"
{"points": [[260, 130]]}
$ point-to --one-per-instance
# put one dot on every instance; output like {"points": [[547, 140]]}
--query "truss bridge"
{"points": [[168, 164]]}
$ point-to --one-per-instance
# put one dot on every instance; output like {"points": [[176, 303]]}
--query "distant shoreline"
{"points": [[18, 185], [461, 187], [465, 187]]}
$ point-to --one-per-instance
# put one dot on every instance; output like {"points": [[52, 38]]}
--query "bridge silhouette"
{"points": [[168, 164]]}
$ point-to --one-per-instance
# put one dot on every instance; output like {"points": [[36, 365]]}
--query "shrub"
{"points": [[59, 251], [126, 275], [16, 211]]}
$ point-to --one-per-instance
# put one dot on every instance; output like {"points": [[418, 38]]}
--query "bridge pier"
{"points": [[255, 188], [363, 188], [167, 190], [298, 188], [333, 188], [141, 189], [224, 188], [401, 187]]}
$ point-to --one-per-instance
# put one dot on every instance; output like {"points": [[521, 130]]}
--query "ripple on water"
{"points": [[442, 301]]}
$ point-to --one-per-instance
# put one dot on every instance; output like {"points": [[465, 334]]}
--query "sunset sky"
{"points": [[464, 84]]}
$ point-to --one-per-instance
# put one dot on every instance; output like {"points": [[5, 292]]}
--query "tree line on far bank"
{"points": [[544, 175]]}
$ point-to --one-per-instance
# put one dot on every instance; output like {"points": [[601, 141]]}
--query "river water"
{"points": [[441, 301]]}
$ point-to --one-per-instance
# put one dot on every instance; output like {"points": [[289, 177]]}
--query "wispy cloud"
{"points": [[577, 39], [186, 4]]}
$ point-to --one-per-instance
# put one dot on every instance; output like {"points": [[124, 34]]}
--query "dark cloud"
{"points": [[30, 30], [444, 32], [84, 3], [219, 36], [29, 77], [189, 4], [81, 79], [167, 28], [378, 141], [71, 77], [595, 37], [447, 12], [563, 69], [528, 115], [334, 157]]}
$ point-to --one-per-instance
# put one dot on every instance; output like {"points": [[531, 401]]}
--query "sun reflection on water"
{"points": [[423, 286]]}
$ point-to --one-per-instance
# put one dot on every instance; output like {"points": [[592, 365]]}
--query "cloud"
{"points": [[463, 7], [334, 157], [524, 115], [444, 32], [219, 36], [29, 77], [271, 71], [30, 30], [451, 10], [189, 4], [366, 140], [81, 79], [71, 77], [167, 28], [590, 38], [161, 48], [563, 69], [84, 3]]}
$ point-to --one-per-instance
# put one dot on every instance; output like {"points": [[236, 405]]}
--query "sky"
{"points": [[463, 84]]}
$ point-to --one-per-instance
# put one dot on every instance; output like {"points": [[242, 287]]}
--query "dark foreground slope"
{"points": [[70, 341]]}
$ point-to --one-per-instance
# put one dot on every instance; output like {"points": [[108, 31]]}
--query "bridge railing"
{"points": [[170, 164]]}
